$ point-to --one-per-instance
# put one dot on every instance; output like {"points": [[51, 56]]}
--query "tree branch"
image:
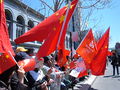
{"points": [[47, 5]]}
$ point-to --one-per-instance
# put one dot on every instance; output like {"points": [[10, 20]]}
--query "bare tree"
{"points": [[57, 4], [98, 34]]}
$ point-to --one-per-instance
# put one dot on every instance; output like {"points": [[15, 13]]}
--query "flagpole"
{"points": [[61, 31], [71, 46]]}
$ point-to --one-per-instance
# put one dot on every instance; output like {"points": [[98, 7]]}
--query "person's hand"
{"points": [[44, 84], [50, 82], [21, 71], [21, 74], [58, 75]]}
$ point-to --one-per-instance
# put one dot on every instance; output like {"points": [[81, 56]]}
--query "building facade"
{"points": [[21, 18]]}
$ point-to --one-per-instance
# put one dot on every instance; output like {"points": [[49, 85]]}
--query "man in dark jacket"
{"points": [[114, 63]]}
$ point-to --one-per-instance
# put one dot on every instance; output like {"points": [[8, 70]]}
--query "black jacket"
{"points": [[114, 60]]}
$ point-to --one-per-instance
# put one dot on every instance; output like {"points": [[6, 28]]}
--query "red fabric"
{"points": [[62, 54], [62, 57], [45, 28], [51, 41], [27, 64], [76, 56], [41, 59], [5, 44], [84, 73], [72, 64], [98, 64], [6, 62], [109, 53], [67, 52], [87, 48]]}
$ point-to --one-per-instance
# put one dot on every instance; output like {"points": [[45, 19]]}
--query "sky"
{"points": [[109, 17]]}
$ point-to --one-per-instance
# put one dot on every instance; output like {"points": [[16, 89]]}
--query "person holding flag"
{"points": [[11, 77], [12, 80]]}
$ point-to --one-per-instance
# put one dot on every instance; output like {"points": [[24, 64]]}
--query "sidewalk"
{"points": [[86, 84]]}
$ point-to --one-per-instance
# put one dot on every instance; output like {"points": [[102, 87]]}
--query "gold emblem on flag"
{"points": [[62, 18], [71, 6], [7, 56]]}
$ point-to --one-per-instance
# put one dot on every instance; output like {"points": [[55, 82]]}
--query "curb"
{"points": [[85, 85]]}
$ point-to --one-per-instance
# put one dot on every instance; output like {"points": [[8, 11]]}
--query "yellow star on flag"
{"points": [[7, 56], [71, 6], [62, 18]]}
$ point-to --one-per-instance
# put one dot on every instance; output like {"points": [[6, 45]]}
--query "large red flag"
{"points": [[52, 40], [5, 44], [49, 25], [98, 64], [6, 62], [87, 48]]}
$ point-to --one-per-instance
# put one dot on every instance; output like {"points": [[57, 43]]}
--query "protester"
{"points": [[13, 79], [114, 62], [117, 50], [21, 54], [56, 74], [37, 79], [30, 52]]}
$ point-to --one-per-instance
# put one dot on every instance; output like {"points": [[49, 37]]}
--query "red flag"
{"points": [[87, 48], [62, 57], [51, 41], [5, 44], [46, 27], [98, 64], [72, 64], [27, 64], [6, 62]]}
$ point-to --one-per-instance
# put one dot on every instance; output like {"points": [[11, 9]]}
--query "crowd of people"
{"points": [[46, 75]]}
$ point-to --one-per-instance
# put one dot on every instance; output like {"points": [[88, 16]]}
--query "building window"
{"points": [[20, 26], [9, 21], [30, 24]]}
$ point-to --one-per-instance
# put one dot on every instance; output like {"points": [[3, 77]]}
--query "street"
{"points": [[106, 82]]}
